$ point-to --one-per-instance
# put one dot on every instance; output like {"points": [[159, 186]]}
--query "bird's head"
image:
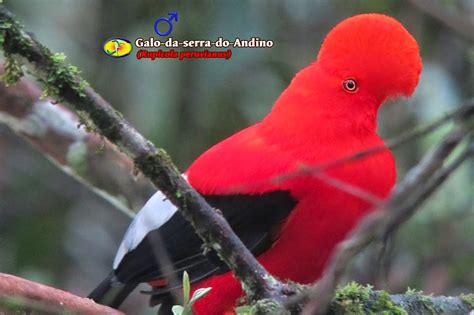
{"points": [[372, 54], [363, 61]]}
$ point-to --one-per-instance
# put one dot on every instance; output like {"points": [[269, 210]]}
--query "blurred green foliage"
{"points": [[53, 230]]}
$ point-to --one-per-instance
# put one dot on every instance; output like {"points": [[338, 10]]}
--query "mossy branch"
{"points": [[64, 83], [407, 196], [356, 299]]}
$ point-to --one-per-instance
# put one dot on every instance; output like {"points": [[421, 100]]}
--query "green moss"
{"points": [[13, 71], [468, 299], [162, 169], [384, 305], [60, 77], [351, 298], [11, 34], [58, 57], [357, 299]]}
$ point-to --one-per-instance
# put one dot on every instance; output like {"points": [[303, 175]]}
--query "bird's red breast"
{"points": [[291, 220], [314, 121]]}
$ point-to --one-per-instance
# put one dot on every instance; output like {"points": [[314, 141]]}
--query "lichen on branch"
{"points": [[354, 298]]}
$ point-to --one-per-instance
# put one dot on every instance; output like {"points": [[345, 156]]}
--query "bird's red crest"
{"points": [[377, 51]]}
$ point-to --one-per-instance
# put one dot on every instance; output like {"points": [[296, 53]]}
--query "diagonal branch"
{"points": [[419, 183], [90, 159], [64, 83], [459, 114], [466, 110]]}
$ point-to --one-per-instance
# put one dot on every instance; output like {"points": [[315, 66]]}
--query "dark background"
{"points": [[55, 231]]}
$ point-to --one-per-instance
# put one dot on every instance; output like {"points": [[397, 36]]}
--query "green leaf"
{"points": [[186, 288], [199, 293]]}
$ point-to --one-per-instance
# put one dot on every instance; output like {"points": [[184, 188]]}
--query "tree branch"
{"points": [[419, 183], [461, 113], [356, 299], [87, 157], [64, 83], [24, 296]]}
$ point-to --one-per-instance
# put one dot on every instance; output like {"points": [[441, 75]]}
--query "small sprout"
{"points": [[186, 288], [187, 307], [410, 291]]}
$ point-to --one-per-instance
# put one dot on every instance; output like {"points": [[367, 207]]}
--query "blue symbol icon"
{"points": [[173, 16]]}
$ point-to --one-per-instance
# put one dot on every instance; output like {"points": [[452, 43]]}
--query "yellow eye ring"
{"points": [[350, 85]]}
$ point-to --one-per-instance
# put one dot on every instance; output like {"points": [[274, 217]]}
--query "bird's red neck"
{"points": [[312, 104]]}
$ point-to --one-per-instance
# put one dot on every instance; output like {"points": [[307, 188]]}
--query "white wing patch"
{"points": [[156, 212]]}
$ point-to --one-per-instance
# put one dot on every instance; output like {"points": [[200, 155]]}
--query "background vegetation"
{"points": [[55, 231]]}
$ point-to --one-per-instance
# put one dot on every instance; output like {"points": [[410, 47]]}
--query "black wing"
{"points": [[252, 217]]}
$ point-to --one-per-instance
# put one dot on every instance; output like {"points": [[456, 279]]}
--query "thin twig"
{"points": [[466, 110], [419, 183], [356, 191]]}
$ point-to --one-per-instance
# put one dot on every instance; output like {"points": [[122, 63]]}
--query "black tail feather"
{"points": [[111, 292]]}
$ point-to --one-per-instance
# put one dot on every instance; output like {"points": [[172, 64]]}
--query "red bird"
{"points": [[327, 112]]}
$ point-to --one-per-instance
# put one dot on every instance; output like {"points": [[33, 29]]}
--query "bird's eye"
{"points": [[350, 85]]}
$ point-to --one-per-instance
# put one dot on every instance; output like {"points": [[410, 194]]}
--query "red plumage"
{"points": [[327, 112], [315, 121]]}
